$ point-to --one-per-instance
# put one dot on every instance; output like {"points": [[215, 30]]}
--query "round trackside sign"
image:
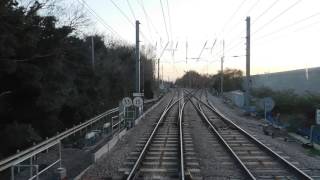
{"points": [[138, 101], [127, 102]]}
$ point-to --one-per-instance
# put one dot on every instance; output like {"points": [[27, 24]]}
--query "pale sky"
{"points": [[284, 33]]}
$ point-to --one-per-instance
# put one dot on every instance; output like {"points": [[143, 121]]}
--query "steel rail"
{"points": [[234, 155], [144, 150], [28, 153], [181, 140], [147, 144], [293, 168]]}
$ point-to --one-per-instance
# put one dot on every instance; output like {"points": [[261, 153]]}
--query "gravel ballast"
{"points": [[109, 164], [293, 149], [215, 162]]}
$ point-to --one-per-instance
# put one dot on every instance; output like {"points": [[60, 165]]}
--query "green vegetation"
{"points": [[47, 79], [232, 80], [299, 109]]}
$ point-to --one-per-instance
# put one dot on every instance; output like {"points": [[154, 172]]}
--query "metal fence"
{"points": [[94, 129]]}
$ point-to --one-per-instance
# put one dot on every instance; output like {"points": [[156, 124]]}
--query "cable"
{"points": [[144, 10], [147, 20], [265, 11], [253, 6], [277, 16], [289, 25], [95, 15], [164, 18], [132, 12], [307, 26], [240, 22], [170, 25], [128, 19], [231, 17]]}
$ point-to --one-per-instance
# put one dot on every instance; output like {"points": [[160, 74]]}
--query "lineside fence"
{"points": [[38, 159]]}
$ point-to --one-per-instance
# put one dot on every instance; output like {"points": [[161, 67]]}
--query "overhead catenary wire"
{"points": [[169, 17], [164, 20], [289, 25], [247, 14], [145, 11], [131, 10], [128, 19], [232, 16], [147, 20], [265, 11], [99, 19], [277, 16], [124, 14], [307, 26]]}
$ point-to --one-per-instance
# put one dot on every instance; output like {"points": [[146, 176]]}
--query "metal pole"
{"points": [[60, 160], [158, 72], [221, 76], [137, 59], [37, 172], [31, 167], [12, 172], [92, 52], [247, 93]]}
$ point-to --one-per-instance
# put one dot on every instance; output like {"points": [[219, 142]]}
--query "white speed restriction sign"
{"points": [[138, 101], [127, 102]]}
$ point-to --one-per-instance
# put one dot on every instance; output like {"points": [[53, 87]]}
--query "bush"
{"points": [[287, 102]]}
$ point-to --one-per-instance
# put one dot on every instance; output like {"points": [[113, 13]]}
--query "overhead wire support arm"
{"points": [[204, 46]]}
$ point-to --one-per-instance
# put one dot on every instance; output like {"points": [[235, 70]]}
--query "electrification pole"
{"points": [[248, 79], [92, 52], [221, 76], [158, 72], [137, 88]]}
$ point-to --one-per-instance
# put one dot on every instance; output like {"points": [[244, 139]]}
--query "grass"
{"points": [[313, 152]]}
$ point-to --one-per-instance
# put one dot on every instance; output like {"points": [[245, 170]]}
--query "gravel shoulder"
{"points": [[108, 165], [306, 161]]}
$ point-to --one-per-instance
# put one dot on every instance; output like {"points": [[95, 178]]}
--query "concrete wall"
{"points": [[300, 81]]}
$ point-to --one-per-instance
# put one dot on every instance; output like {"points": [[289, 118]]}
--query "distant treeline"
{"points": [[47, 80], [232, 80]]}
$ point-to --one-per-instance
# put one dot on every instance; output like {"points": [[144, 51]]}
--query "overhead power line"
{"points": [[99, 19], [289, 25], [170, 25], [144, 10], [147, 19], [124, 14], [265, 11], [232, 16], [164, 20], [131, 10], [277, 16], [252, 7], [128, 19]]}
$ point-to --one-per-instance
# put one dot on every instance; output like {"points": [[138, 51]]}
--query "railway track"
{"points": [[255, 159], [167, 152]]}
